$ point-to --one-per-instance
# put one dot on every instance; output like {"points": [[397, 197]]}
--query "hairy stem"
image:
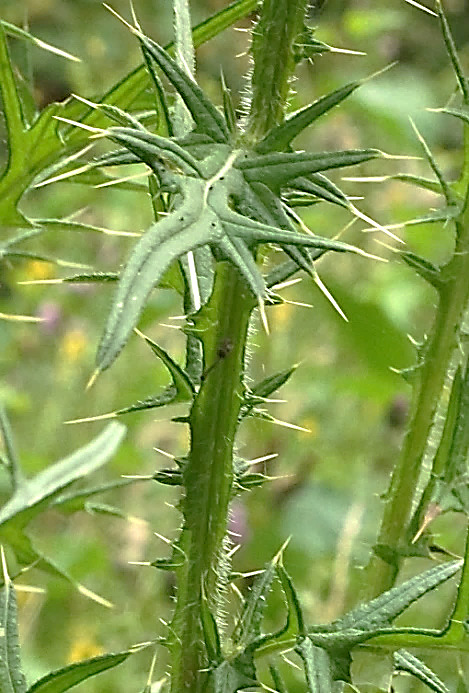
{"points": [[441, 345], [208, 475]]}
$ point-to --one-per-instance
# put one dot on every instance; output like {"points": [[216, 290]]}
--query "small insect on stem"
{"points": [[224, 348]]}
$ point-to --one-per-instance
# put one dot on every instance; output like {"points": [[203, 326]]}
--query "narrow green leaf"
{"points": [[447, 192], [389, 605], [277, 679], [452, 52], [436, 488], [11, 101], [418, 181], [11, 456], [207, 118], [228, 107], [278, 170], [165, 126], [190, 226], [461, 113], [27, 557], [280, 137], [456, 466], [64, 679], [34, 493], [168, 477], [295, 626], [260, 391], [320, 186], [15, 31], [210, 632], [424, 268], [185, 58], [239, 255], [405, 661], [181, 381], [317, 665], [151, 148], [168, 396], [235, 675], [12, 679], [256, 232], [248, 626]]}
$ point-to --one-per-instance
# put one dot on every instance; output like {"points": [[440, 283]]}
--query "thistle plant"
{"points": [[224, 187]]}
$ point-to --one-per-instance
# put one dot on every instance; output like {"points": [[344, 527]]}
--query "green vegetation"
{"points": [[170, 202]]}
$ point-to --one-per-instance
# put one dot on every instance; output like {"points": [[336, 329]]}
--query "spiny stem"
{"points": [[208, 475], [441, 345]]}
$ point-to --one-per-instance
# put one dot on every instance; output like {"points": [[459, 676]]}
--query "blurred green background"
{"points": [[327, 482]]}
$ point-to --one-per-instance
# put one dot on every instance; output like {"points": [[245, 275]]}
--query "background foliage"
{"points": [[325, 494]]}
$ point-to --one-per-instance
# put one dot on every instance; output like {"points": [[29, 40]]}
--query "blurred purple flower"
{"points": [[51, 316]]}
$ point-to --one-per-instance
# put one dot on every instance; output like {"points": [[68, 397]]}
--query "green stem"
{"points": [[272, 48], [208, 474], [442, 342]]}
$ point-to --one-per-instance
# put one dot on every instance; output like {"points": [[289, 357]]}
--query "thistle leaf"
{"points": [[33, 494], [63, 679], [235, 675], [248, 627], [150, 148], [12, 679], [11, 460], [280, 169], [424, 268], [405, 661], [280, 137], [317, 665], [207, 118], [384, 609], [181, 381], [190, 226], [451, 48]]}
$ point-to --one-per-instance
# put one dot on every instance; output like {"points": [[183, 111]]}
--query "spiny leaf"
{"points": [[451, 48], [448, 193], [150, 148], [389, 605], [424, 268], [159, 246], [260, 391], [181, 381], [279, 169], [34, 493], [63, 679], [405, 661], [210, 632], [317, 666], [207, 118], [239, 254], [11, 457], [12, 679], [461, 113], [294, 628], [235, 675], [280, 137], [248, 627]]}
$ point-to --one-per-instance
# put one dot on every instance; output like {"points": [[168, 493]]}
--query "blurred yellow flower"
{"points": [[36, 269], [73, 345], [84, 647]]}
